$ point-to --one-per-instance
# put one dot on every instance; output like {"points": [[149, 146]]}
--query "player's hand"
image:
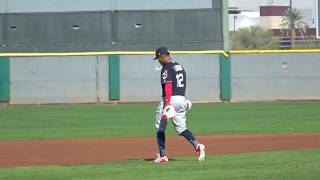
{"points": [[164, 117], [189, 104], [168, 112]]}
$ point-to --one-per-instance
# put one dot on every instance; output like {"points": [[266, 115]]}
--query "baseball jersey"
{"points": [[173, 72]]}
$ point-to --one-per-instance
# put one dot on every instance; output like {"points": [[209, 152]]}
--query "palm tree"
{"points": [[292, 21]]}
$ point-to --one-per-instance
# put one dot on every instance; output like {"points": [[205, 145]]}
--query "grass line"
{"points": [[89, 121], [288, 165]]}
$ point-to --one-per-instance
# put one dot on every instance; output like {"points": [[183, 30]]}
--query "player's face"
{"points": [[161, 60]]}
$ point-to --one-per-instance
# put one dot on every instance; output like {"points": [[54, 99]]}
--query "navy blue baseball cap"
{"points": [[161, 51]]}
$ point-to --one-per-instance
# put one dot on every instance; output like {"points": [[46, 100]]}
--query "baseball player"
{"points": [[173, 105]]}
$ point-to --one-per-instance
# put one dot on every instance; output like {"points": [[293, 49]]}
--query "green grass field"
{"points": [[87, 121], [90, 121], [290, 165]]}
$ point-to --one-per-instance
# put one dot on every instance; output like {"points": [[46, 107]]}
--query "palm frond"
{"points": [[292, 21]]}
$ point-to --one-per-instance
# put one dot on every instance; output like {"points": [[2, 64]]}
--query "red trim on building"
{"points": [[273, 10]]}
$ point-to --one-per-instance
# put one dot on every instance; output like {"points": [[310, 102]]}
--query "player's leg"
{"points": [[161, 126], [179, 122], [161, 138], [181, 128]]}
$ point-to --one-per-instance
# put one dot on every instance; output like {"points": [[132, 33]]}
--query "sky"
{"points": [[254, 4], [307, 6]]}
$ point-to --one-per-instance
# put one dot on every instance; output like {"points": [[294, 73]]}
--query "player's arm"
{"points": [[168, 111], [168, 92], [167, 77]]}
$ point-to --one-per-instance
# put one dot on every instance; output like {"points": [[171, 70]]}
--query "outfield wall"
{"points": [[140, 78], [112, 25], [35, 80], [280, 76], [135, 78], [85, 79], [27, 6]]}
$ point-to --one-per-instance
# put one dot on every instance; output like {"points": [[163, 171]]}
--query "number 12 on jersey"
{"points": [[180, 80]]}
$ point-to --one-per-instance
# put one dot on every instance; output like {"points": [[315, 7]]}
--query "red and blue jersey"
{"points": [[173, 80]]}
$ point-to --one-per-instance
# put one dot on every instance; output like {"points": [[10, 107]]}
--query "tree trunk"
{"points": [[292, 37]]}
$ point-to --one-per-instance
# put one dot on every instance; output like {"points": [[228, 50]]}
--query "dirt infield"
{"points": [[84, 151]]}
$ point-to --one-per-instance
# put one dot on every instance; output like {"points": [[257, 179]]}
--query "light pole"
{"points": [[234, 23]]}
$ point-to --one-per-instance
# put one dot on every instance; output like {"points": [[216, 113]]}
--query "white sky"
{"points": [[254, 4]]}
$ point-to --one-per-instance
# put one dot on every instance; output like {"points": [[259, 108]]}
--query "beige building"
{"points": [[270, 16]]}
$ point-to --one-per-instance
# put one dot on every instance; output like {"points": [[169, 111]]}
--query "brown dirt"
{"points": [[85, 151]]}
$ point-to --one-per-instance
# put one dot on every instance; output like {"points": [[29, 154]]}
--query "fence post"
{"points": [[114, 77], [225, 78], [4, 79]]}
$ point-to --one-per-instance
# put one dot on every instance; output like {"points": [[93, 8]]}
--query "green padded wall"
{"points": [[4, 79], [225, 78], [114, 77]]}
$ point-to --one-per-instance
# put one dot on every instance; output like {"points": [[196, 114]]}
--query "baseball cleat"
{"points": [[160, 159], [200, 152]]}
